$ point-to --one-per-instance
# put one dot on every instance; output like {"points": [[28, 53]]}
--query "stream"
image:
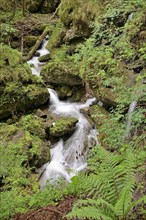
{"points": [[67, 157]]}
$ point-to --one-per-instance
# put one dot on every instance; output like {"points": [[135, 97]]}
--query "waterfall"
{"points": [[131, 109], [34, 63], [69, 157]]}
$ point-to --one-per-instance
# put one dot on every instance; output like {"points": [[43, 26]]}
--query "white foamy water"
{"points": [[69, 157], [34, 63]]}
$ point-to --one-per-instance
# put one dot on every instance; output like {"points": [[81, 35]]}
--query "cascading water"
{"points": [[34, 63], [67, 157], [131, 109]]}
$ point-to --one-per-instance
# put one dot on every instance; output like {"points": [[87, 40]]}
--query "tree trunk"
{"points": [[23, 7]]}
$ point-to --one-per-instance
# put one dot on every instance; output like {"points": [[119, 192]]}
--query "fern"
{"points": [[110, 188]]}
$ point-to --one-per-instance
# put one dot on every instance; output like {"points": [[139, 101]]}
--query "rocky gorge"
{"points": [[95, 49]]}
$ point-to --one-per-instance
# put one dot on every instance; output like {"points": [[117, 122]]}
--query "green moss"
{"points": [[20, 90], [30, 41], [59, 74], [99, 115], [22, 147], [63, 127], [44, 58], [55, 39], [10, 56], [78, 14]]}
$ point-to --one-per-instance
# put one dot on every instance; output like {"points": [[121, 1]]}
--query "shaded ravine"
{"points": [[34, 63], [67, 157]]}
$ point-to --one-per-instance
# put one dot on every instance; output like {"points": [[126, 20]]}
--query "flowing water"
{"points": [[34, 63], [131, 109], [67, 157]]}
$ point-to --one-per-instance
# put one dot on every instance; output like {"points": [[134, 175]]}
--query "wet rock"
{"points": [[41, 113], [64, 91], [44, 58], [63, 126]]}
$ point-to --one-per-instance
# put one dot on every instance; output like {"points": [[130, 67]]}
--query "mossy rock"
{"points": [[106, 96], [29, 41], [20, 90], [60, 74], [63, 126], [74, 34], [23, 149], [49, 6], [34, 5], [44, 58], [64, 91], [56, 37], [9, 56], [98, 114]]}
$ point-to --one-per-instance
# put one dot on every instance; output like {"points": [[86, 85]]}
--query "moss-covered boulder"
{"points": [[49, 6], [9, 56], [34, 5], [23, 148], [98, 114], [19, 89], [44, 58], [63, 126], [60, 74], [43, 6], [106, 96], [29, 41], [23, 145]]}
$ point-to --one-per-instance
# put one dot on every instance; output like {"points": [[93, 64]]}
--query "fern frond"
{"points": [[135, 203], [89, 212]]}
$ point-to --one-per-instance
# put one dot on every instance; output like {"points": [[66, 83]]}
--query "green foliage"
{"points": [[6, 32], [110, 187], [13, 57]]}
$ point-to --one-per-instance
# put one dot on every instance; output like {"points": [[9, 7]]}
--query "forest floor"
{"points": [[49, 212]]}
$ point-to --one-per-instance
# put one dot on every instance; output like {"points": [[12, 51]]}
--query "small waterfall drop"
{"points": [[69, 157], [131, 109], [34, 63]]}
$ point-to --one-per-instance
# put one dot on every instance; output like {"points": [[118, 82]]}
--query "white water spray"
{"points": [[69, 157]]}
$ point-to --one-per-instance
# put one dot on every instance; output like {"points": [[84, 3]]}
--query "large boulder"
{"points": [[63, 126], [43, 6], [19, 89], [23, 149], [29, 41], [60, 74], [106, 96]]}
